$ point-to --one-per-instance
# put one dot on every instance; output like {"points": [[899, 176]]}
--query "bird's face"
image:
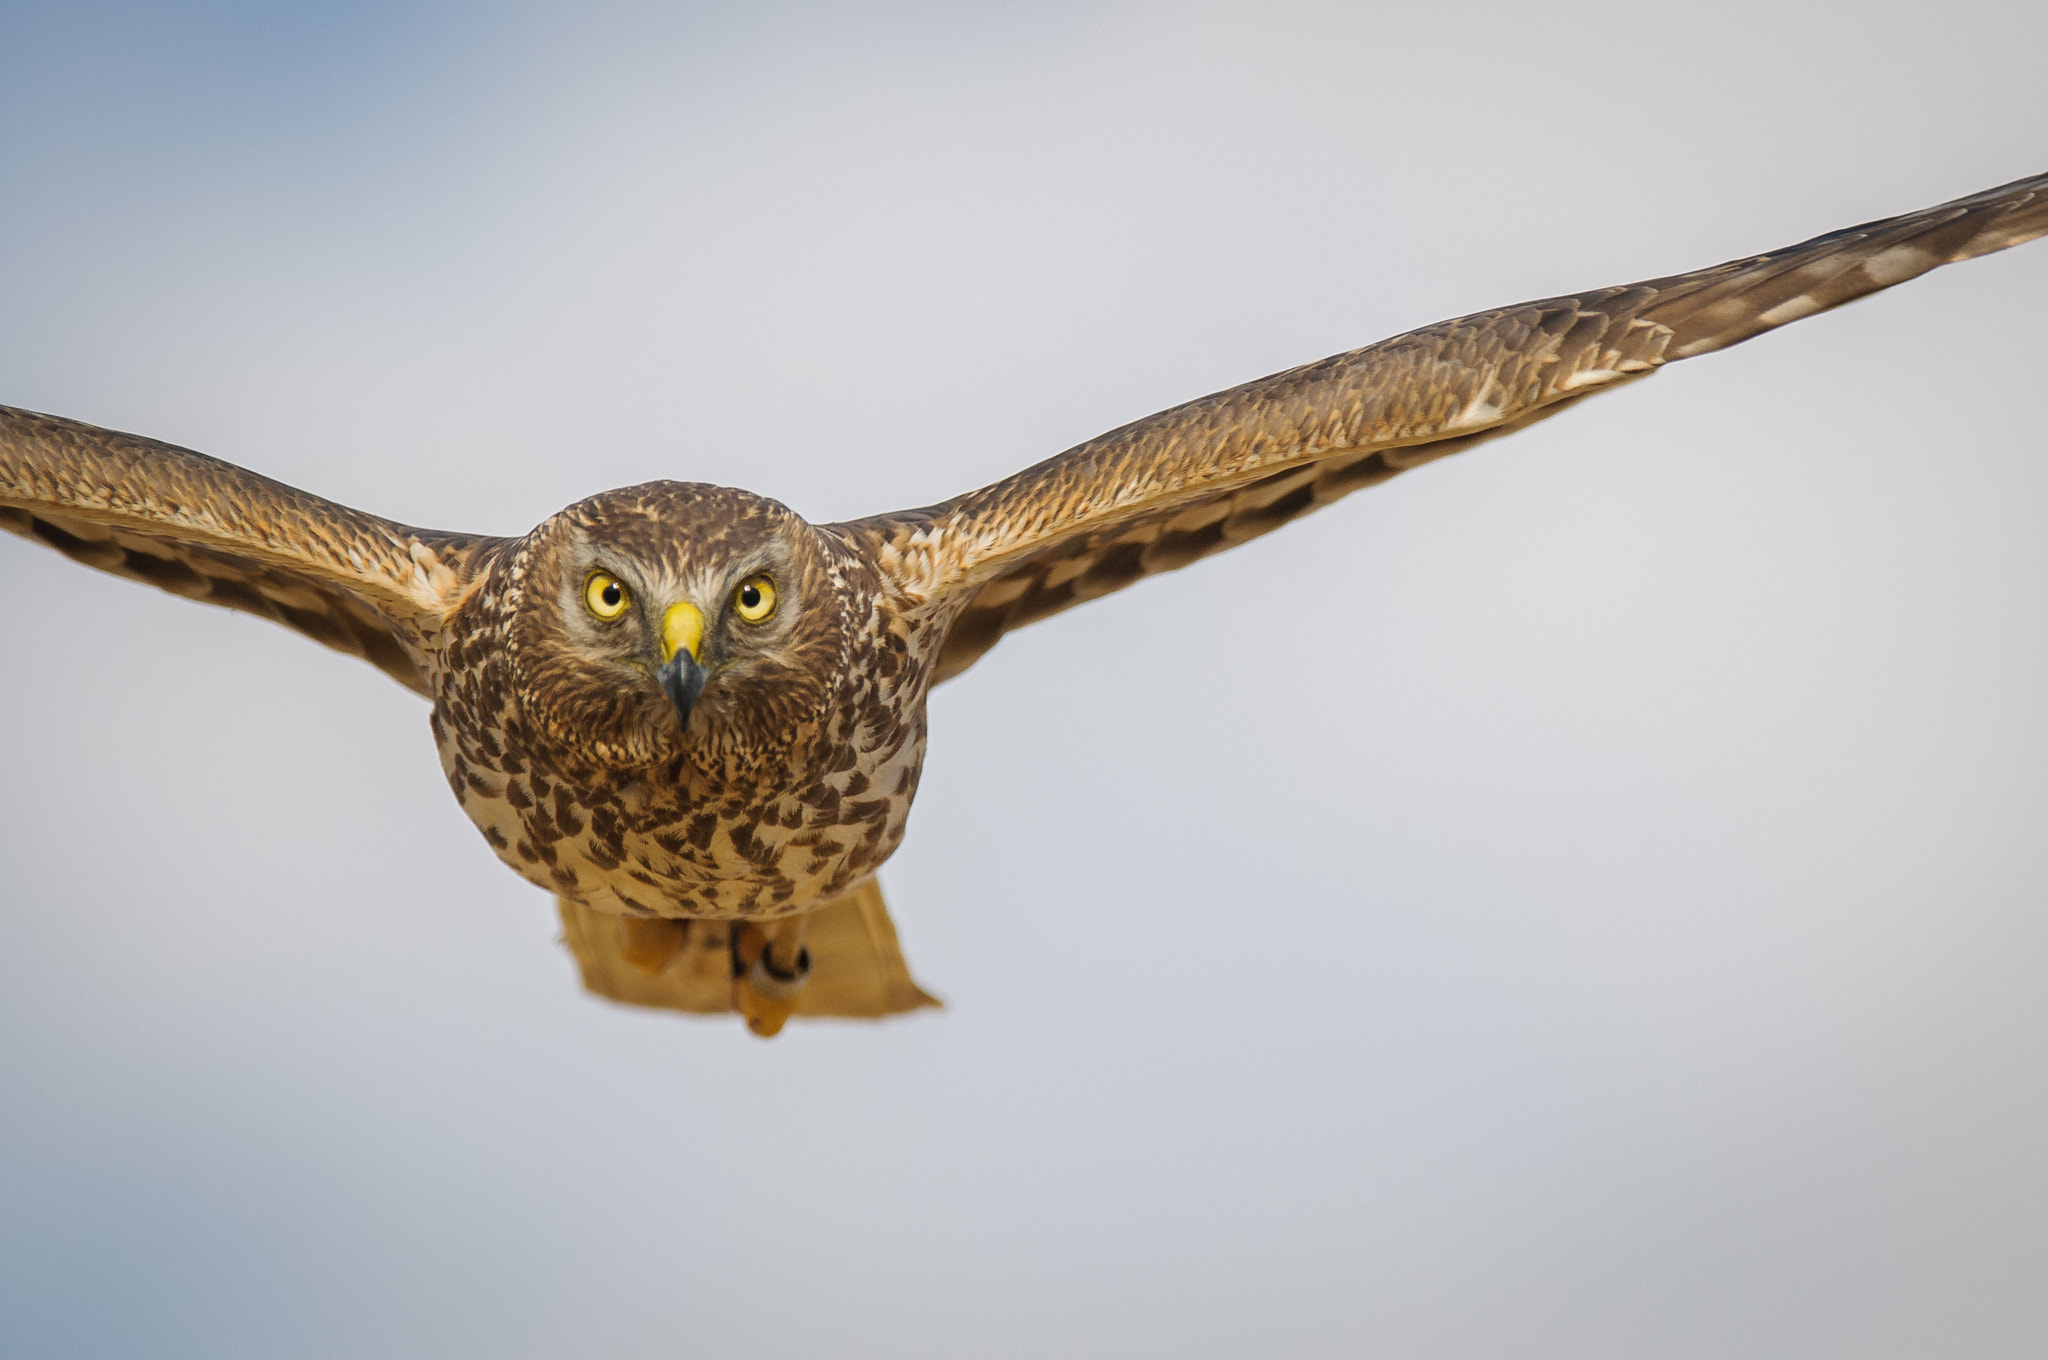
{"points": [[676, 617]]}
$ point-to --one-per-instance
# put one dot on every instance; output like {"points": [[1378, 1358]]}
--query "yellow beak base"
{"points": [[682, 630]]}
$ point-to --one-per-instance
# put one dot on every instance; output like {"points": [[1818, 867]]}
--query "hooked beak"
{"points": [[681, 676]]}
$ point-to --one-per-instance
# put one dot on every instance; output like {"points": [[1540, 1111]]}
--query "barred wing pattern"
{"points": [[1177, 486], [211, 531]]}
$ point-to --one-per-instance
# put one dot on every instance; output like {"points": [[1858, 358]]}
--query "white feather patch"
{"points": [[1791, 309], [1481, 411], [1899, 263], [1587, 377]]}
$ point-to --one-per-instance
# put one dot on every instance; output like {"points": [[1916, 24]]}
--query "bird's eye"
{"points": [[605, 596], [754, 601]]}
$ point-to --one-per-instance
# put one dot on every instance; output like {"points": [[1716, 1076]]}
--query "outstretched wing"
{"points": [[211, 531], [1187, 482]]}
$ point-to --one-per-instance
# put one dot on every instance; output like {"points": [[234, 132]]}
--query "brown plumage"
{"points": [[685, 707]]}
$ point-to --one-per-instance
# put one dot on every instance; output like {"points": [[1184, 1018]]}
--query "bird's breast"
{"points": [[684, 842]]}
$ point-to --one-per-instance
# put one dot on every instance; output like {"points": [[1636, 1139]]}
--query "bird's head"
{"points": [[672, 617]]}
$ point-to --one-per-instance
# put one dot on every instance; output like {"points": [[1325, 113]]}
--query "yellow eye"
{"points": [[605, 596], [754, 601]]}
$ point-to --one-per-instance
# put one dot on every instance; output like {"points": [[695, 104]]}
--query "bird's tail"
{"points": [[857, 968]]}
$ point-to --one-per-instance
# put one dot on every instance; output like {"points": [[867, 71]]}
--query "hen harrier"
{"points": [[699, 720]]}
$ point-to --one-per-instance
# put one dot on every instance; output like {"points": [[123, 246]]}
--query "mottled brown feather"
{"points": [[1177, 486], [208, 530]]}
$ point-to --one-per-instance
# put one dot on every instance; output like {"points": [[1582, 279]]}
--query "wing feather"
{"points": [[208, 530], [1178, 486]]}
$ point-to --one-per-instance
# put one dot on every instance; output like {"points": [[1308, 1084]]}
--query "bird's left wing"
{"points": [[1178, 486], [209, 530]]}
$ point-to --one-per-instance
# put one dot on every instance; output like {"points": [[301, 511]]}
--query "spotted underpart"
{"points": [[793, 779]]}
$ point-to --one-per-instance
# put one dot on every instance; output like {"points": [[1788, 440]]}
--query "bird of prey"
{"points": [[698, 720]]}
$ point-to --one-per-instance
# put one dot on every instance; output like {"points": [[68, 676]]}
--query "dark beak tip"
{"points": [[682, 680]]}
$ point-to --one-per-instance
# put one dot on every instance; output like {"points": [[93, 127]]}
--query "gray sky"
{"points": [[1585, 898]]}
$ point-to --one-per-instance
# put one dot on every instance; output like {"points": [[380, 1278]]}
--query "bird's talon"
{"points": [[762, 993]]}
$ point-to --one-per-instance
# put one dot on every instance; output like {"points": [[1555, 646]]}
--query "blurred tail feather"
{"points": [[857, 967]]}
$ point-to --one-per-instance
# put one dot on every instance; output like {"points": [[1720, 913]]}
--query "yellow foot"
{"points": [[761, 991]]}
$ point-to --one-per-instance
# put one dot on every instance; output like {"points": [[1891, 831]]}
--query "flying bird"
{"points": [[698, 719]]}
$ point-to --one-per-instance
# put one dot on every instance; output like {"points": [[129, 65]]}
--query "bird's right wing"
{"points": [[1188, 482], [211, 531]]}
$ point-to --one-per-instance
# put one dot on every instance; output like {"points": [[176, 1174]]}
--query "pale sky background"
{"points": [[1588, 898]]}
